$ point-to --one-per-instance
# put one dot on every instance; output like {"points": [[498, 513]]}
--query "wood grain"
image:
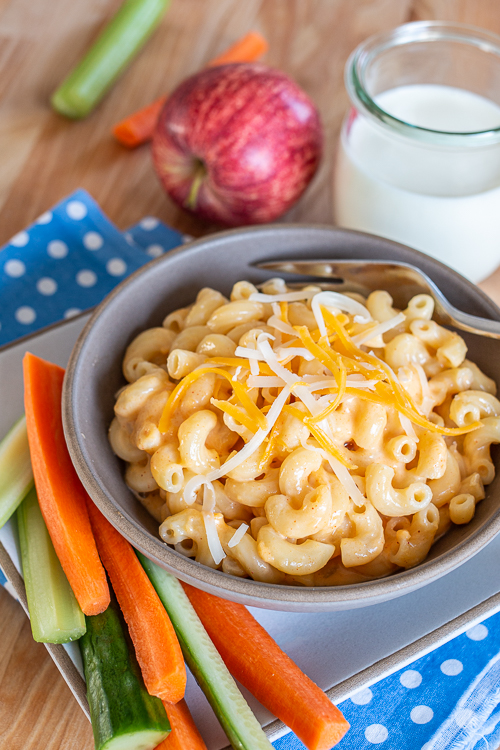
{"points": [[44, 157]]}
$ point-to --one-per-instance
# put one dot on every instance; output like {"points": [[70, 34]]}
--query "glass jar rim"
{"points": [[417, 31]]}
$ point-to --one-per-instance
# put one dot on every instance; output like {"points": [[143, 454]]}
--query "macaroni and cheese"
{"points": [[304, 437]]}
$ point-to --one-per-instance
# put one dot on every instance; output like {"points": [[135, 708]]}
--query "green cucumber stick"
{"points": [[124, 716], [204, 661], [16, 474], [54, 612], [113, 50]]}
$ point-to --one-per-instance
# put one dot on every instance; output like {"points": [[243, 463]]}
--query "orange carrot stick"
{"points": [[138, 127], [156, 646], [255, 660], [184, 734], [247, 49], [61, 495]]}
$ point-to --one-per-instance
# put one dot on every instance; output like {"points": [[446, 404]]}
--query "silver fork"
{"points": [[401, 280]]}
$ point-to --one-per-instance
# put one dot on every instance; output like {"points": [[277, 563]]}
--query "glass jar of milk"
{"points": [[419, 154]]}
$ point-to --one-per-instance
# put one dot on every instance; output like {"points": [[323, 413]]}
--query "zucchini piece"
{"points": [[124, 715], [16, 474], [54, 612], [204, 661]]}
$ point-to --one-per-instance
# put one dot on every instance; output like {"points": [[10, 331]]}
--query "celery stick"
{"points": [[16, 475], [204, 661], [54, 612], [113, 50]]}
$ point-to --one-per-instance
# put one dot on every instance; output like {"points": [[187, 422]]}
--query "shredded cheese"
{"points": [[238, 535], [213, 541], [337, 301], [284, 297], [366, 336], [237, 458]]}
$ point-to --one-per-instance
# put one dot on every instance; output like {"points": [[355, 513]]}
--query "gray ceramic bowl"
{"points": [[172, 281]]}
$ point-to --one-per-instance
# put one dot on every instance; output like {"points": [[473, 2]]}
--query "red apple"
{"points": [[237, 144]]}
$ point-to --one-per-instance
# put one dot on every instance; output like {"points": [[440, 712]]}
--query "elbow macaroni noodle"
{"points": [[340, 461]]}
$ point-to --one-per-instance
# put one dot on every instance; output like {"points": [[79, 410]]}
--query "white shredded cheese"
{"points": [[282, 297], [254, 367], [265, 381], [275, 322], [295, 351], [337, 301], [246, 353], [366, 336], [407, 426], [427, 400], [213, 541], [340, 471], [238, 535], [238, 457]]}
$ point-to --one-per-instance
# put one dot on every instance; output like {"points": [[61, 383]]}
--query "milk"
{"points": [[444, 201]]}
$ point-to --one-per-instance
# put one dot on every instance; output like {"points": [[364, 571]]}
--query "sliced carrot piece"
{"points": [[61, 495], [255, 660], [184, 734], [138, 127], [156, 646], [247, 49]]}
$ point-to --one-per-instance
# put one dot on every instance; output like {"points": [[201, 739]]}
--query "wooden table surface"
{"points": [[43, 157]]}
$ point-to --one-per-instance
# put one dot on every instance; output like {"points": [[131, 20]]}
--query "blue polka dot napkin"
{"points": [[447, 700], [67, 262]]}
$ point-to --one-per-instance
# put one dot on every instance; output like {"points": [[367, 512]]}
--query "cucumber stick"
{"points": [[232, 710], [54, 612], [113, 50], [16, 475], [124, 715]]}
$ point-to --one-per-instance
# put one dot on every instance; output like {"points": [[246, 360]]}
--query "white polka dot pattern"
{"points": [[116, 267], [451, 667], [376, 734], [421, 714], [411, 678], [86, 278], [363, 697], [46, 286], [25, 315], [93, 241], [76, 210], [45, 218], [149, 223], [21, 239], [71, 312], [14, 268], [155, 251], [477, 633], [57, 249]]}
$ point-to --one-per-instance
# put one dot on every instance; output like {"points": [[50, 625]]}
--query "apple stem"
{"points": [[199, 176]]}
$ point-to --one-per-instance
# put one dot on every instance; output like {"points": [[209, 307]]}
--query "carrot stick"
{"points": [[184, 734], [156, 646], [138, 127], [61, 495], [255, 660], [247, 49]]}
